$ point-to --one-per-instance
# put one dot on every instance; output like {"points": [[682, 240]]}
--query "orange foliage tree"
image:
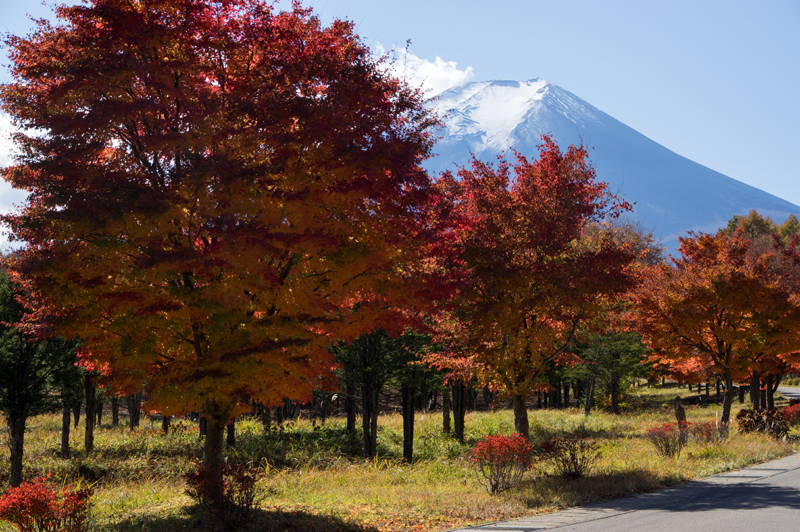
{"points": [[214, 187], [717, 310], [521, 276]]}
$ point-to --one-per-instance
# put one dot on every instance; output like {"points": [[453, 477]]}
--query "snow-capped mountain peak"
{"points": [[672, 193]]}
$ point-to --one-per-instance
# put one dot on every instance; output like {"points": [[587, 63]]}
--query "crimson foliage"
{"points": [[667, 438], [41, 505], [500, 461]]}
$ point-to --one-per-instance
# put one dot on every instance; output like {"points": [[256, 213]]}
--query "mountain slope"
{"points": [[672, 194]]}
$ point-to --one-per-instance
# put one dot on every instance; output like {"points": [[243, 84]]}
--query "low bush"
{"points": [[668, 438], [41, 505], [706, 432], [500, 461], [238, 501], [769, 421], [573, 455], [791, 414]]}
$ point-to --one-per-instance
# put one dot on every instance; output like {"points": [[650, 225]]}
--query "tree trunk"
{"points": [[407, 400], [350, 408], [521, 416], [776, 381], [727, 402], [741, 394], [66, 415], [76, 413], [230, 433], [614, 395], [369, 421], [446, 406], [587, 406], [770, 392], [755, 387], [487, 397], [165, 424], [115, 411], [133, 401], [216, 417], [90, 401], [459, 410], [202, 427], [16, 428], [98, 410], [266, 417], [566, 395]]}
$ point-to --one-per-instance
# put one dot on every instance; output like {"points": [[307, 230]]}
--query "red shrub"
{"points": [[500, 461], [706, 432], [669, 438], [791, 414], [44, 506]]}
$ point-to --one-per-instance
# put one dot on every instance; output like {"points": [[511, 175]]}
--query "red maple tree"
{"points": [[214, 188], [521, 275], [719, 310]]}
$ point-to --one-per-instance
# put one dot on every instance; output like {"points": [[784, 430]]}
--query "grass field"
{"points": [[312, 478]]}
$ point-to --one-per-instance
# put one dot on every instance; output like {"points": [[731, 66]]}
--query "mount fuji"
{"points": [[672, 194]]}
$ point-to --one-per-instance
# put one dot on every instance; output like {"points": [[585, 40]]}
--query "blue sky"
{"points": [[715, 81]]}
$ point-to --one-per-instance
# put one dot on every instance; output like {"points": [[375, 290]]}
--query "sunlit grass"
{"points": [[315, 479]]}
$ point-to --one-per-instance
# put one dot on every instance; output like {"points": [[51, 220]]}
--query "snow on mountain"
{"points": [[672, 194]]}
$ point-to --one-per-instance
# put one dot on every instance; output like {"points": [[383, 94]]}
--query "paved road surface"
{"points": [[762, 497]]}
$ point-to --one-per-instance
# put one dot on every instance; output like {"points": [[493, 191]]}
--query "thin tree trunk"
{"points": [[230, 433], [459, 410], [487, 397], [614, 395], [66, 415], [755, 390], [266, 417], [407, 400], [770, 392], [369, 421], [587, 406], [165, 424], [202, 427], [133, 401], [76, 413], [727, 402], [16, 426], [98, 409], [115, 411], [741, 394], [566, 395], [350, 408], [90, 401], [446, 406], [521, 416]]}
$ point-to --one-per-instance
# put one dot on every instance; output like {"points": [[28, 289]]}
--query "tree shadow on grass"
{"points": [[194, 519], [551, 490]]}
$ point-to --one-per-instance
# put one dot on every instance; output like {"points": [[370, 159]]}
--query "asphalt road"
{"points": [[762, 497]]}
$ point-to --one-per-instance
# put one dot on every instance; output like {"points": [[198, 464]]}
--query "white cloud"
{"points": [[434, 76], [8, 195]]}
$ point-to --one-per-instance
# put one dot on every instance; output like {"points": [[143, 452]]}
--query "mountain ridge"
{"points": [[672, 194]]}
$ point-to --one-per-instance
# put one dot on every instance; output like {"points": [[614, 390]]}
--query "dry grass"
{"points": [[313, 480]]}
